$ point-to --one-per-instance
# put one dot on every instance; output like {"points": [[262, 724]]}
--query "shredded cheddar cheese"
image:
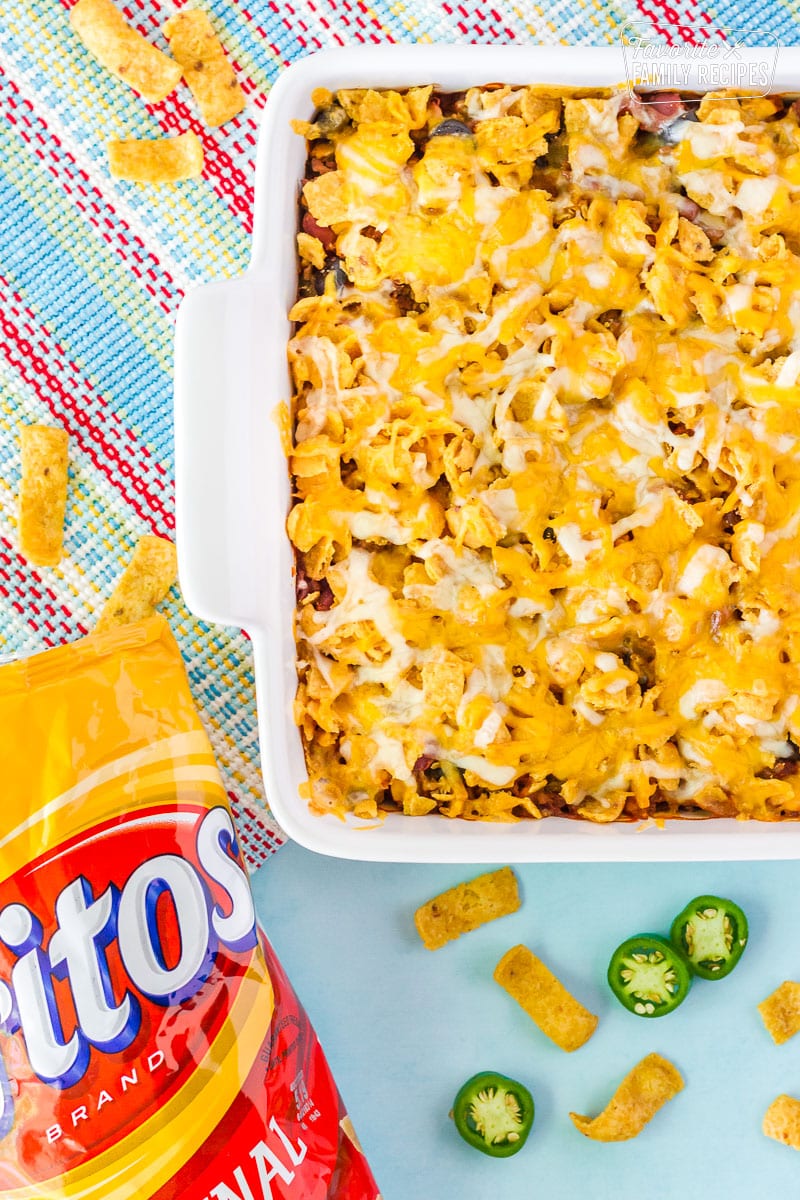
{"points": [[546, 368]]}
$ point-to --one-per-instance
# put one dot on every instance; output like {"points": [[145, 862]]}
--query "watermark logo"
{"points": [[742, 62]]}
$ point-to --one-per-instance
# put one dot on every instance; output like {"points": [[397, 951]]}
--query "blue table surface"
{"points": [[404, 1027]]}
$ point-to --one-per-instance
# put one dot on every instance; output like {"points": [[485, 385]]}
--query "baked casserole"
{"points": [[546, 363]]}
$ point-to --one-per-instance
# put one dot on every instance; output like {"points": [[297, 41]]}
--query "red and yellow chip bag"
{"points": [[151, 1047]]}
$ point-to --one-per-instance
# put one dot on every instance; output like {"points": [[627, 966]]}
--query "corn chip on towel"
{"points": [[92, 271]]}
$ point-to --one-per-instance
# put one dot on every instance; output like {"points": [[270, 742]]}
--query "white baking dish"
{"points": [[233, 490]]}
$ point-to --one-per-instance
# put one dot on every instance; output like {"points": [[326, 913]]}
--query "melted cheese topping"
{"points": [[545, 458]]}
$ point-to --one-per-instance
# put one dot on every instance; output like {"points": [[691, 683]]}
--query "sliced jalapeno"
{"points": [[649, 976], [712, 933], [494, 1114]]}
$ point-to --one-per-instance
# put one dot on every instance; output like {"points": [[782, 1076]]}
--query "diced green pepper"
{"points": [[712, 933], [494, 1114], [649, 976]]}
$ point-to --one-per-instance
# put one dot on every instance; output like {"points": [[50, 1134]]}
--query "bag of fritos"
{"points": [[151, 1047]]}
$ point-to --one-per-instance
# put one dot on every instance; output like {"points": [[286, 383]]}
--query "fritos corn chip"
{"points": [[144, 582], [780, 1012], [545, 999], [782, 1121], [311, 250], [158, 160], [151, 1047], [43, 493], [122, 51], [466, 907], [643, 1091], [210, 76]]}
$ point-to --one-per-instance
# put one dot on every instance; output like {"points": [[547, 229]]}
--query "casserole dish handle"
{"points": [[232, 488]]}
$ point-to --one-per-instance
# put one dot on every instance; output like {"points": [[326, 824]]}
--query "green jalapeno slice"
{"points": [[494, 1114], [712, 933], [649, 976]]}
